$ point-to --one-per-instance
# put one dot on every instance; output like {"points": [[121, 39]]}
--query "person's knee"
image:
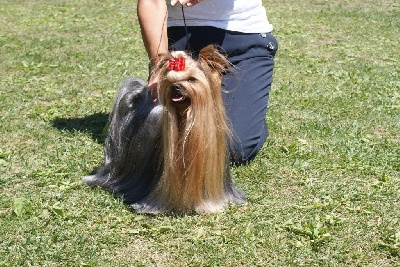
{"points": [[241, 158], [244, 152]]}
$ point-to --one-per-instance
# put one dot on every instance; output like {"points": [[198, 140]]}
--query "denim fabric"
{"points": [[246, 91]]}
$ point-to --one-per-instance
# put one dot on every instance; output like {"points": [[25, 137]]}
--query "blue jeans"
{"points": [[246, 91]]}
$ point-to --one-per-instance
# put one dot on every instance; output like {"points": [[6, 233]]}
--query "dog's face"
{"points": [[179, 87], [185, 81]]}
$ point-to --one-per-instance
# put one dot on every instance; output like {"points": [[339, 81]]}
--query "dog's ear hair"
{"points": [[210, 56]]}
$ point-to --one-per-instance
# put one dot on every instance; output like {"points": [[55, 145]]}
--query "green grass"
{"points": [[324, 191]]}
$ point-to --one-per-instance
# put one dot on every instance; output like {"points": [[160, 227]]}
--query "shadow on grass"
{"points": [[93, 124]]}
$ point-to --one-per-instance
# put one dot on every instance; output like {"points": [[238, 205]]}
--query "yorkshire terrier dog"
{"points": [[172, 156]]}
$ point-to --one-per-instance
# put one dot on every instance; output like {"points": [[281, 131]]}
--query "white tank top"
{"points": [[246, 16]]}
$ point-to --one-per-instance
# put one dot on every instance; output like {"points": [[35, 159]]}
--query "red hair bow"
{"points": [[177, 64]]}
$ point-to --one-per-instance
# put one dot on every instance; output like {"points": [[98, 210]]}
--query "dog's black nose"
{"points": [[176, 88]]}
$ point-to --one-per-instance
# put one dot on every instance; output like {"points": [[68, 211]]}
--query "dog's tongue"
{"points": [[178, 98]]}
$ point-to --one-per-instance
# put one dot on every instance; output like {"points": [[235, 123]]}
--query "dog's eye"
{"points": [[192, 79]]}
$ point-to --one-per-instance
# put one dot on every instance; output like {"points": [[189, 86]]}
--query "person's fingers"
{"points": [[188, 3], [153, 91]]}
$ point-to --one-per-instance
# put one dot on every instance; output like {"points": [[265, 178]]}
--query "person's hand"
{"points": [[187, 3], [153, 88]]}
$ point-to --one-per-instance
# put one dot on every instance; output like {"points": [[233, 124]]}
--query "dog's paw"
{"points": [[90, 180]]}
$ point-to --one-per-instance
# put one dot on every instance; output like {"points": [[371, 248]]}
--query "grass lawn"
{"points": [[324, 190]]}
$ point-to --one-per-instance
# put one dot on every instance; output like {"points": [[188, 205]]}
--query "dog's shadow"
{"points": [[94, 124]]}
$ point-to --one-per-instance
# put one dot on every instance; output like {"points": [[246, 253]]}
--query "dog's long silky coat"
{"points": [[171, 157]]}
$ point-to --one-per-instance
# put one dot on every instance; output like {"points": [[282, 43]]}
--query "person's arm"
{"points": [[152, 16]]}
